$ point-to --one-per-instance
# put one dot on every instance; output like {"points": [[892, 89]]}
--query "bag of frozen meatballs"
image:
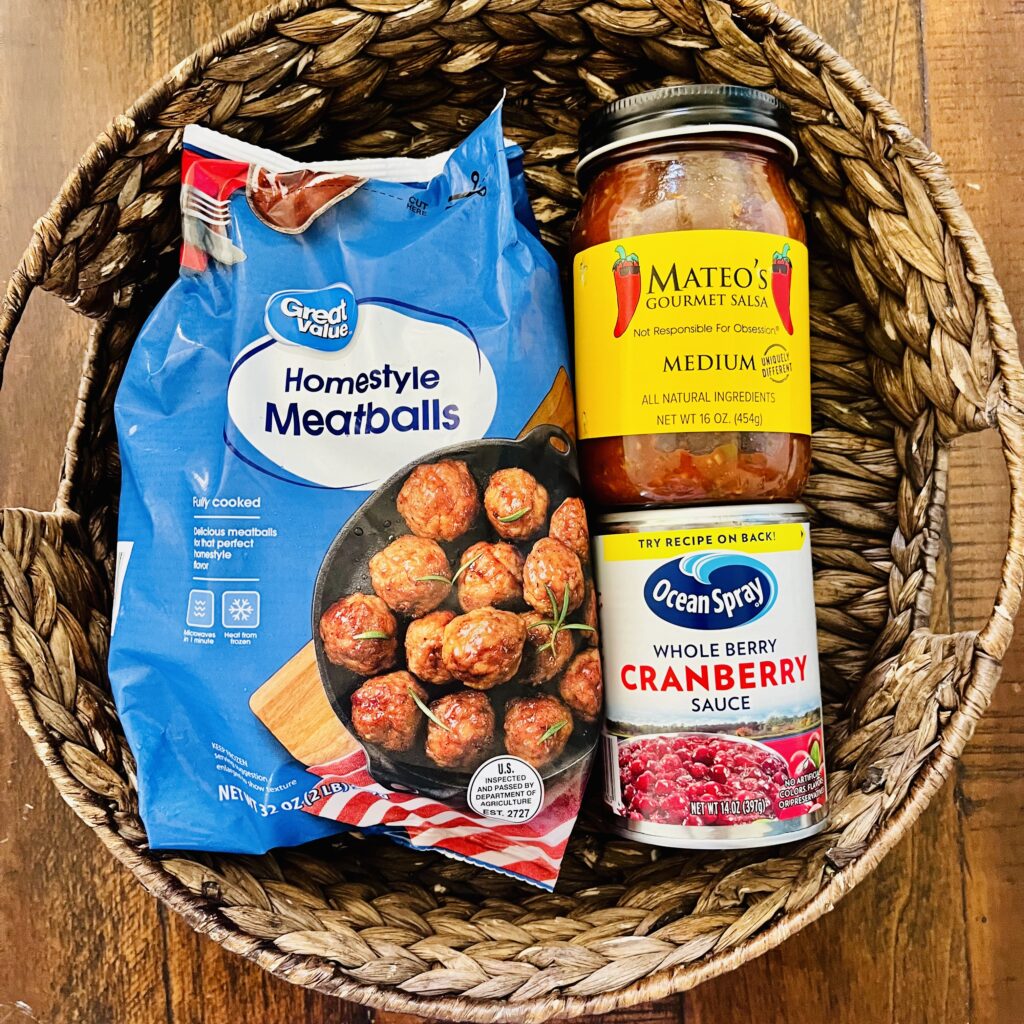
{"points": [[353, 584]]}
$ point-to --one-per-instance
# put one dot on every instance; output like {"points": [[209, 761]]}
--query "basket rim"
{"points": [[988, 645]]}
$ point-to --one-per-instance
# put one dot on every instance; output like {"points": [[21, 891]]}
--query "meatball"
{"points": [[359, 632], [439, 500], [588, 614], [537, 728], [423, 641], [384, 712], [491, 574], [484, 647], [581, 688], [539, 665], [401, 573], [569, 525], [552, 565], [466, 732], [516, 504]]}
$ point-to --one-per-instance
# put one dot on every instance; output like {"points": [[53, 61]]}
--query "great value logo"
{"points": [[711, 590], [320, 318]]}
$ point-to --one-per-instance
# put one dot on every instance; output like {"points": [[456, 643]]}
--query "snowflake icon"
{"points": [[241, 608]]}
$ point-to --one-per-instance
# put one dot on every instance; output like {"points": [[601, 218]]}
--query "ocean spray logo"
{"points": [[320, 318], [711, 590]]}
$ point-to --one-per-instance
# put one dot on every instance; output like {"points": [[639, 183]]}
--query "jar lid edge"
{"points": [[683, 110]]}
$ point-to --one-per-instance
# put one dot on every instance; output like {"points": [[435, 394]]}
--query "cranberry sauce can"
{"points": [[713, 725]]}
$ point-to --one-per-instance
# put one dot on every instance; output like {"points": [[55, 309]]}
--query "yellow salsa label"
{"points": [[689, 331]]}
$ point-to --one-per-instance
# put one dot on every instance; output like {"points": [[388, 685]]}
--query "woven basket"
{"points": [[913, 346]]}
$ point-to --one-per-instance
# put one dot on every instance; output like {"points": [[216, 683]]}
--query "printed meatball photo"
{"points": [[411, 575], [516, 504], [385, 710], [491, 576], [569, 527], [547, 649], [360, 633], [439, 501], [460, 730], [458, 621], [423, 641], [581, 686], [484, 647], [537, 728], [551, 568], [588, 615]]}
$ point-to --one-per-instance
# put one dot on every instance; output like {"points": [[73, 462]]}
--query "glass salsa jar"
{"points": [[692, 341]]}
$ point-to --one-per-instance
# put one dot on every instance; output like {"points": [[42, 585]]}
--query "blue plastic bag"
{"points": [[331, 325]]}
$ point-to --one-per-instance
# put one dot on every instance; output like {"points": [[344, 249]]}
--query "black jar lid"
{"points": [[683, 110]]}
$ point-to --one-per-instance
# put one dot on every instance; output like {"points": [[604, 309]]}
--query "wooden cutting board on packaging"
{"points": [[293, 704]]}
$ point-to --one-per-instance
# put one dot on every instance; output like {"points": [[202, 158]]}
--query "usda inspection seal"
{"points": [[506, 788]]}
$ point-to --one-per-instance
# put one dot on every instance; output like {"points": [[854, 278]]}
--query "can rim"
{"points": [[682, 517], [684, 840]]}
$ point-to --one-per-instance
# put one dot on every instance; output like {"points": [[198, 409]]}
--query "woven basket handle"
{"points": [[994, 638], [19, 287], [48, 232], [1005, 413], [33, 267]]}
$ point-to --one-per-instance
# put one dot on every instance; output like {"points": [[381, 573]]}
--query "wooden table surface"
{"points": [[932, 936]]}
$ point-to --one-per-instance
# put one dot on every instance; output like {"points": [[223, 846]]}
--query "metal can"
{"points": [[713, 725]]}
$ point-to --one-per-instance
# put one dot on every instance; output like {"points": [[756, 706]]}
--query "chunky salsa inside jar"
{"points": [[731, 181]]}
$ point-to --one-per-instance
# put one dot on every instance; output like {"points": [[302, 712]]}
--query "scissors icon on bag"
{"points": [[476, 190]]}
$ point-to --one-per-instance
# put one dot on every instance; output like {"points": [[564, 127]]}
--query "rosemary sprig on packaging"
{"points": [[423, 707], [557, 621], [551, 730], [513, 517], [444, 579]]}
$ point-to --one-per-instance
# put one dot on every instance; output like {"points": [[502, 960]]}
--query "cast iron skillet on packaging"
{"points": [[547, 453]]}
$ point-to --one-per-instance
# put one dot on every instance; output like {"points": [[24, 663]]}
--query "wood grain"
{"points": [[974, 65], [927, 938]]}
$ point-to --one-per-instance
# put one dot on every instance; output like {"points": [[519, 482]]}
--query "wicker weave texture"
{"points": [[912, 347]]}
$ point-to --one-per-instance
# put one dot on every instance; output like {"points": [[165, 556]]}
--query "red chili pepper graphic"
{"points": [[627, 288], [782, 283]]}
